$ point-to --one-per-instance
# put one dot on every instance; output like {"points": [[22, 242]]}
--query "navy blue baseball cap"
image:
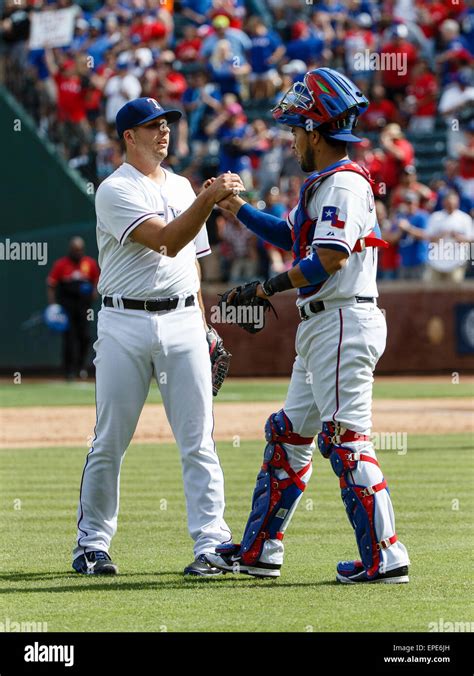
{"points": [[137, 112]]}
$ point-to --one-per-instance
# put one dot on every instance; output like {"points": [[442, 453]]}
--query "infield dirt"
{"points": [[44, 426]]}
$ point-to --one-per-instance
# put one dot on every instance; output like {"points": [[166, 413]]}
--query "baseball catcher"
{"points": [[334, 236]]}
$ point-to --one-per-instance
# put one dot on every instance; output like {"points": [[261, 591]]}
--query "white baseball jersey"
{"points": [[447, 254], [344, 210], [124, 200], [135, 346]]}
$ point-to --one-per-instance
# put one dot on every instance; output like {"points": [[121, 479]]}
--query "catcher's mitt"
{"points": [[220, 359], [249, 309]]}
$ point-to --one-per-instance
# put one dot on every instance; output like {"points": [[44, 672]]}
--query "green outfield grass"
{"points": [[58, 393], [432, 492]]}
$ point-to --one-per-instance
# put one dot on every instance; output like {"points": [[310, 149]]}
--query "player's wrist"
{"points": [[207, 199], [277, 284]]}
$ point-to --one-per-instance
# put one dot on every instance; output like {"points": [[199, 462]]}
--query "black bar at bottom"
{"points": [[214, 653]]}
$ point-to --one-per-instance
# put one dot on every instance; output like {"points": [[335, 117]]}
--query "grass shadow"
{"points": [[121, 584]]}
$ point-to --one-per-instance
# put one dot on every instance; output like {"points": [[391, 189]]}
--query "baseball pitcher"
{"points": [[334, 236], [150, 232]]}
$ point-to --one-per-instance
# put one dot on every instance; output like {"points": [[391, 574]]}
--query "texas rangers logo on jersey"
{"points": [[332, 214]]}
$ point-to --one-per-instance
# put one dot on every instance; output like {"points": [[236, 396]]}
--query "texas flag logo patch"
{"points": [[334, 216]]}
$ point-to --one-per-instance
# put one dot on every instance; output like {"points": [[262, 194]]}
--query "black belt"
{"points": [[151, 305], [318, 306]]}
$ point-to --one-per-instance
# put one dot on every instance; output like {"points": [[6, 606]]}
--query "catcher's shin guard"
{"points": [[277, 492], [364, 493]]}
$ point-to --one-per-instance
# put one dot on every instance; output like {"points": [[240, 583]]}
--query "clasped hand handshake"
{"points": [[225, 190]]}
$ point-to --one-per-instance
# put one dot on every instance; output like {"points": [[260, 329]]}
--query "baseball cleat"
{"points": [[95, 563], [200, 567], [228, 559], [353, 572]]}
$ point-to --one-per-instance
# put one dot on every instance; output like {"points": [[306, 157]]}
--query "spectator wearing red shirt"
{"points": [[147, 28], [466, 162], [74, 129], [430, 16], [389, 258], [409, 184], [373, 161], [398, 153], [72, 283], [162, 74], [358, 38], [188, 48], [398, 57], [423, 91], [380, 112]]}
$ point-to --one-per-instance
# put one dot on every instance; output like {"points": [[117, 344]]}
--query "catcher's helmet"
{"points": [[325, 97]]}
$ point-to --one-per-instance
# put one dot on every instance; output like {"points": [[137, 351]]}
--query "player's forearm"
{"points": [[314, 269], [269, 228], [184, 228], [51, 292]]}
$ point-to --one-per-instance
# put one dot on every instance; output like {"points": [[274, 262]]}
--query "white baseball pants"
{"points": [[337, 351], [132, 346]]}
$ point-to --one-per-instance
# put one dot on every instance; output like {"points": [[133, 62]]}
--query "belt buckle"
{"points": [[150, 300]]}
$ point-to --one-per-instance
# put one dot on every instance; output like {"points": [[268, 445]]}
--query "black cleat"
{"points": [[95, 563], [231, 562], [201, 568], [353, 572]]}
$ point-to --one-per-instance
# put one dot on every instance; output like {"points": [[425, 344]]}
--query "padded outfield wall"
{"points": [[430, 330]]}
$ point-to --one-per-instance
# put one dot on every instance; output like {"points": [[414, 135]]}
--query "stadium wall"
{"points": [[39, 189], [44, 203], [430, 330], [26, 342]]}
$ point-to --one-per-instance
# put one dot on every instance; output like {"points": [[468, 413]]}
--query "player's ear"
{"points": [[314, 137], [128, 135]]}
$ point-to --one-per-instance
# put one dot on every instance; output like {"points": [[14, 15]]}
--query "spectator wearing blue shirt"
{"points": [[200, 100], [196, 10], [226, 70], [230, 128], [454, 48], [99, 43], [304, 46], [449, 181], [412, 245], [467, 23], [266, 52], [240, 42], [81, 35]]}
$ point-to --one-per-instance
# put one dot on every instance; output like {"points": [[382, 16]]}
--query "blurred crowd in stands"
{"points": [[226, 63]]}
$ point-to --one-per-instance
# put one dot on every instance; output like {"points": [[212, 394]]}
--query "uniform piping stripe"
{"points": [[198, 253], [341, 329], [84, 471], [340, 242], [135, 222]]}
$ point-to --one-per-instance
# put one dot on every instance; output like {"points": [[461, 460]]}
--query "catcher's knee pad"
{"points": [[274, 499], [359, 500]]}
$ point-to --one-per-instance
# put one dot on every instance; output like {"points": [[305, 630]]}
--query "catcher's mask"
{"points": [[326, 100]]}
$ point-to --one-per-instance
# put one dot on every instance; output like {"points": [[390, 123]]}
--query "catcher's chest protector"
{"points": [[303, 228]]}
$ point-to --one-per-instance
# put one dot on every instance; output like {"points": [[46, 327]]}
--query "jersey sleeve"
{"points": [[201, 242], [341, 219], [120, 210]]}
